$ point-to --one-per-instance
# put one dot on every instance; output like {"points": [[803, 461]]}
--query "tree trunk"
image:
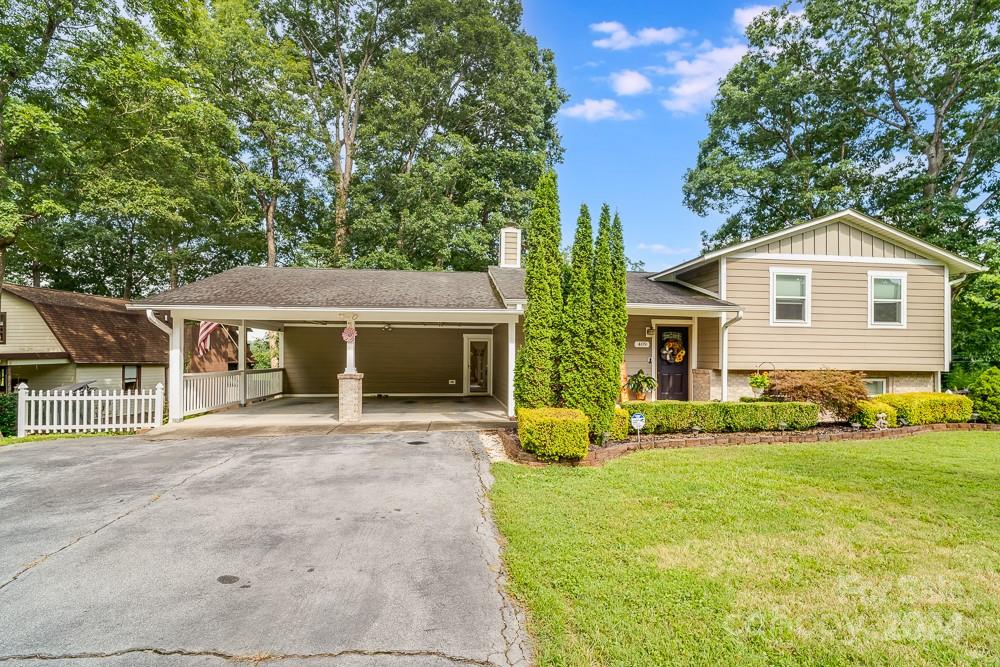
{"points": [[36, 274], [272, 343], [269, 211]]}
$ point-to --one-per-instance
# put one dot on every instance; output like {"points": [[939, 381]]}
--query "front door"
{"points": [[478, 354], [672, 363]]}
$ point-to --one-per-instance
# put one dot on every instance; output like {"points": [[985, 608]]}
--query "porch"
{"points": [[319, 416]]}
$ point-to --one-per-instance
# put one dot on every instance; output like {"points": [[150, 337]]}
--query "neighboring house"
{"points": [[843, 291], [51, 338], [219, 353]]}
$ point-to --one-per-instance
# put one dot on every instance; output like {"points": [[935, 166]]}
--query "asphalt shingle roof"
{"points": [[639, 288], [96, 329], [287, 287]]}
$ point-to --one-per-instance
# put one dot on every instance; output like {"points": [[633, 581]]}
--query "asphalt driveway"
{"points": [[329, 550]]}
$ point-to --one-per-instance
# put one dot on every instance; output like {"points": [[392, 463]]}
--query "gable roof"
{"points": [[288, 287], [640, 291], [954, 262], [96, 329]]}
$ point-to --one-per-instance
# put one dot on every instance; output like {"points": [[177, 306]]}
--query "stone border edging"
{"points": [[598, 457]]}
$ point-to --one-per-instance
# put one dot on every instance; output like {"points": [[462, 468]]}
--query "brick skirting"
{"points": [[601, 455]]}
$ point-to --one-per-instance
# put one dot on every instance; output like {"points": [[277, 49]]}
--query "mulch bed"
{"points": [[600, 455]]}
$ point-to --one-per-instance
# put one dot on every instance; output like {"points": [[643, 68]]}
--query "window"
{"points": [[3, 328], [790, 296], [886, 299], [875, 386], [131, 378]]}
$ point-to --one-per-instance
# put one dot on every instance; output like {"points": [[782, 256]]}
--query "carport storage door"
{"points": [[478, 363]]}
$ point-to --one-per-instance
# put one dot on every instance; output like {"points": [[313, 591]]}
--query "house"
{"points": [[842, 291], [51, 338]]}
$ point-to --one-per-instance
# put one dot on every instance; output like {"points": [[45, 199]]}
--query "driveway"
{"points": [[329, 550]]}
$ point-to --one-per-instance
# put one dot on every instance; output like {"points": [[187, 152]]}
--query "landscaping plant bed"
{"points": [[825, 433]]}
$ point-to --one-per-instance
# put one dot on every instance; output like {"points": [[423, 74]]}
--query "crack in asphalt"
{"points": [[152, 499], [511, 636], [254, 659]]}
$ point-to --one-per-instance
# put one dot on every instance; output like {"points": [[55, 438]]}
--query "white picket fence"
{"points": [[210, 391], [97, 411]]}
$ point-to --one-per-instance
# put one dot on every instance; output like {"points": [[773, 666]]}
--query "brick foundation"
{"points": [[598, 457]]}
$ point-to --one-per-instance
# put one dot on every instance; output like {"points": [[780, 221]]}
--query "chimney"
{"points": [[510, 248]]}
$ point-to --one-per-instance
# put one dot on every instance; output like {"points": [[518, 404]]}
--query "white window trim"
{"points": [[885, 385], [792, 271], [898, 275]]}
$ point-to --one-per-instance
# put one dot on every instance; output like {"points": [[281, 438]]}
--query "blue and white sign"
{"points": [[638, 421]]}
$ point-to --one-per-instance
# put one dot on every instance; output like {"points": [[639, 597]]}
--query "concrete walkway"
{"points": [[342, 551], [318, 416]]}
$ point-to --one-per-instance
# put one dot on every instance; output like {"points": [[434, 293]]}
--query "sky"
{"points": [[641, 76]]}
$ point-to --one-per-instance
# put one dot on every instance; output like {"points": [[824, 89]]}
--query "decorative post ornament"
{"points": [[350, 335]]}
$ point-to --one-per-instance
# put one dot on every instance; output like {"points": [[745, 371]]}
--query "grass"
{"points": [[14, 440], [877, 552]]}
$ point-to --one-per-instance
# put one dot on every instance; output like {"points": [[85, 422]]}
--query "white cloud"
{"points": [[744, 16], [630, 82], [698, 76], [619, 37], [594, 110], [661, 249]]}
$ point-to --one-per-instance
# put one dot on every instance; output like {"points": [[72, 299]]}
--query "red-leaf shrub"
{"points": [[837, 392]]}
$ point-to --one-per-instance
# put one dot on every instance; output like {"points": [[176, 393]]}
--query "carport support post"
{"points": [[241, 362], [175, 379]]}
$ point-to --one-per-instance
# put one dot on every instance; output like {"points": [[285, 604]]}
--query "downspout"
{"points": [[153, 319], [725, 353]]}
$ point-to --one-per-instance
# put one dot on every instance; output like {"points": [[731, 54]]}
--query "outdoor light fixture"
{"points": [[387, 327]]}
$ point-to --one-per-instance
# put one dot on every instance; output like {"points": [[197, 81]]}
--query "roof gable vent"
{"points": [[510, 247]]}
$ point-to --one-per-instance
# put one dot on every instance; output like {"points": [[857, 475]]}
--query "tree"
{"points": [[605, 334], [976, 315], [578, 366], [619, 275], [535, 370]]}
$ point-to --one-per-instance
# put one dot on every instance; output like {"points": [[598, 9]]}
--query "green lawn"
{"points": [[14, 440], [877, 552]]}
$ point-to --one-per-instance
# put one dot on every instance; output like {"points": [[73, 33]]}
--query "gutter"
{"points": [[725, 353], [153, 319]]}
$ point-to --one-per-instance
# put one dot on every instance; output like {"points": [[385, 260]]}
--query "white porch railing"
{"points": [[65, 412], [263, 383], [210, 391]]}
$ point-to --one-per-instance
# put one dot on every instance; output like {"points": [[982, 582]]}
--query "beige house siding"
{"points": [[500, 370], [705, 277], [836, 238], [839, 335], [638, 357], [26, 330], [42, 377], [708, 342], [401, 361]]}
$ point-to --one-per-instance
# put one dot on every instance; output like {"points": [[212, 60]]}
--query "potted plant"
{"points": [[758, 383], [639, 384]]}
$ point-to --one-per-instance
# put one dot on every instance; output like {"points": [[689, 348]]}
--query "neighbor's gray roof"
{"points": [[640, 290], [253, 286]]}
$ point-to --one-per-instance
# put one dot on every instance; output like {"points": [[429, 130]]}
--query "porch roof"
{"points": [[287, 287], [641, 291]]}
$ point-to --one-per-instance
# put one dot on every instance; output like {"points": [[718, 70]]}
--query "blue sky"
{"points": [[640, 76]]}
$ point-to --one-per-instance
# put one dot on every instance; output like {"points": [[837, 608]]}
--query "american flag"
{"points": [[205, 331]]}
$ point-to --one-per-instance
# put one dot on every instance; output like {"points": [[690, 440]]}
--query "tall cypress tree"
{"points": [[535, 368], [577, 360], [605, 322], [619, 274]]}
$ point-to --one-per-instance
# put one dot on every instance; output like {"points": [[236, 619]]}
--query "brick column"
{"points": [[701, 389], [349, 397]]}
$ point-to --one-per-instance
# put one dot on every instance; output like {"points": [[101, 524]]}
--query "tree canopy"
{"points": [[147, 144]]}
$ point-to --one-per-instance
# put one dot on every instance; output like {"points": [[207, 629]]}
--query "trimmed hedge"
{"points": [[715, 417], [868, 412], [8, 414], [620, 424], [920, 407], [554, 433]]}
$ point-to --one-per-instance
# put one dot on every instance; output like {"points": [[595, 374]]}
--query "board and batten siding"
{"points": [[705, 277], [836, 238], [839, 335], [27, 332], [400, 361]]}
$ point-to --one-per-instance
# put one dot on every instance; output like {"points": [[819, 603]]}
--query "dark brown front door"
{"points": [[672, 363]]}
